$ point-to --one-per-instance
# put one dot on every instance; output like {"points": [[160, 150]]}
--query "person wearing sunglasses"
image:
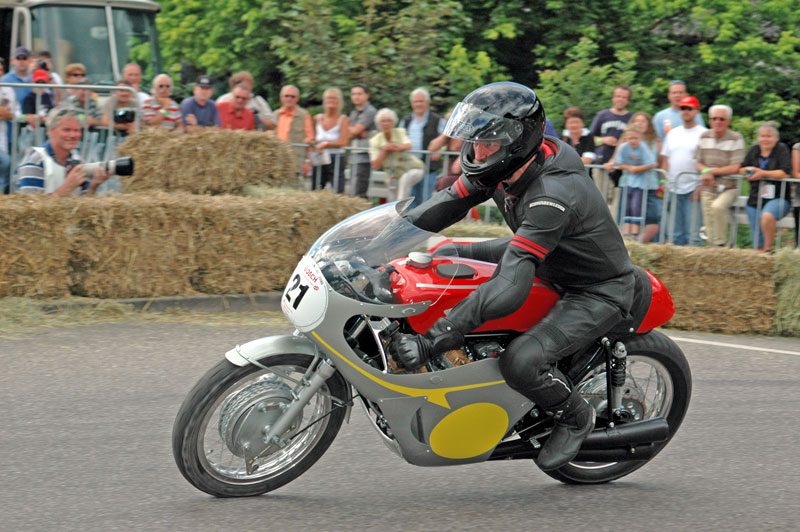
{"points": [[720, 154], [670, 117], [84, 100], [234, 113], [683, 181], [161, 110], [20, 73], [294, 124], [199, 110]]}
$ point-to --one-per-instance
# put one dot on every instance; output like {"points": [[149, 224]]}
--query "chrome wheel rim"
{"points": [[223, 464], [648, 389]]}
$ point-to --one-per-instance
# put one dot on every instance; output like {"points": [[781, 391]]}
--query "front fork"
{"points": [[616, 363], [301, 395]]}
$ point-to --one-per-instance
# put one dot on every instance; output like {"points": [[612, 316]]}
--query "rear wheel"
{"points": [[658, 384], [225, 416]]}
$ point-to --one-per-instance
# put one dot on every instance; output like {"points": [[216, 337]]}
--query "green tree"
{"points": [[586, 84], [744, 54], [391, 46]]}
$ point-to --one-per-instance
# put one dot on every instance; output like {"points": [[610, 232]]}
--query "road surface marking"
{"points": [[736, 346]]}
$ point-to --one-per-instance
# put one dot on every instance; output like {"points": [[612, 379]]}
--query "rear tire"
{"points": [[209, 457], [663, 356]]}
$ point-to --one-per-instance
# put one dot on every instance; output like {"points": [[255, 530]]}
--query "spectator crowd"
{"points": [[667, 176]]}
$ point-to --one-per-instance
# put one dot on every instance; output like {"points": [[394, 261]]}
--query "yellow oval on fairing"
{"points": [[469, 431]]}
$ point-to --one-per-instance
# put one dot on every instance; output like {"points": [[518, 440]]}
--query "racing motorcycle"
{"points": [[267, 412]]}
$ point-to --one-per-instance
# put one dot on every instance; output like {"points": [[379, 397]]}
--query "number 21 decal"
{"points": [[296, 285]]}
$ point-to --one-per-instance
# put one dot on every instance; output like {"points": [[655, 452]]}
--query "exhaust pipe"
{"points": [[632, 441]]}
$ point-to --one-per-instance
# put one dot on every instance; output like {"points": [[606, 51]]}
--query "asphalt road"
{"points": [[88, 411]]}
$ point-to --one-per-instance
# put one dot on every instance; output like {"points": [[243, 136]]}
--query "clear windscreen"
{"points": [[353, 254]]}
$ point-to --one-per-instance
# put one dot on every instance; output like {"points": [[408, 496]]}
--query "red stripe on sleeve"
{"points": [[526, 248], [460, 188], [549, 148], [531, 243]]}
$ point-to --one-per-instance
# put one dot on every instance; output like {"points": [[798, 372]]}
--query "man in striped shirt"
{"points": [[720, 153], [161, 110], [55, 167]]}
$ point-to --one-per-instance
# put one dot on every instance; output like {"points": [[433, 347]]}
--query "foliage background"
{"points": [[744, 54]]}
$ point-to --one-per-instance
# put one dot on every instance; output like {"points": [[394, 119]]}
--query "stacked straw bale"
{"points": [[160, 244], [251, 245], [787, 289], [34, 247], [133, 245], [725, 291], [210, 162]]}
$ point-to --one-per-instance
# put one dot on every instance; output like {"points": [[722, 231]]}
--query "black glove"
{"points": [[414, 350]]}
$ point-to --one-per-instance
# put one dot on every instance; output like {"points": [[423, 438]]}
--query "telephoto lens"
{"points": [[120, 166]]}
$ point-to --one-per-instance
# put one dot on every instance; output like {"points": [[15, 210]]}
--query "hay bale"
{"points": [[210, 162], [133, 245], [248, 245], [726, 291], [477, 230], [34, 248], [787, 292]]}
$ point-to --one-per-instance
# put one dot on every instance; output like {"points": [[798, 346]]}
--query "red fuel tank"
{"points": [[447, 280]]}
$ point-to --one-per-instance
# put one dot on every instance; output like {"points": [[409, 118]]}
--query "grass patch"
{"points": [[19, 315]]}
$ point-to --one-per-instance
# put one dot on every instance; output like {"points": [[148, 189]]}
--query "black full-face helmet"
{"points": [[508, 117]]}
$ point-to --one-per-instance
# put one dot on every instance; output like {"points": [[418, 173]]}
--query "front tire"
{"points": [[217, 417], [656, 358]]}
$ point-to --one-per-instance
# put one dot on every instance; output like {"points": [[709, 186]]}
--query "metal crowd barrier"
{"points": [[616, 197], [97, 142], [669, 209], [379, 186]]}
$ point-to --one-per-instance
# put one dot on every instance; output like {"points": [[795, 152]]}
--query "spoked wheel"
{"points": [[221, 426], [658, 383]]}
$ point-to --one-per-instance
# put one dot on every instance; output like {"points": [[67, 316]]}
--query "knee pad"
{"points": [[523, 363], [528, 358]]}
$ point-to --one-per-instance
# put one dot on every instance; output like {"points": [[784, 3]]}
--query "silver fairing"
{"points": [[444, 417]]}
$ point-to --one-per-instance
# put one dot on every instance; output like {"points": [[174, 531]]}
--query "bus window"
{"points": [[136, 40], [74, 34]]}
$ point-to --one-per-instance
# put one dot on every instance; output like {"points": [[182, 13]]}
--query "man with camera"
{"points": [[55, 167], [120, 110]]}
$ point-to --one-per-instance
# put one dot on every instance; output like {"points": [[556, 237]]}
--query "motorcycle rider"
{"points": [[563, 233]]}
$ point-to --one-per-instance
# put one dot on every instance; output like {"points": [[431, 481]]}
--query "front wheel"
{"points": [[227, 412], [658, 383]]}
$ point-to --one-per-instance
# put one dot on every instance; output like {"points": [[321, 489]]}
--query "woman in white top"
{"points": [[388, 149], [332, 136]]}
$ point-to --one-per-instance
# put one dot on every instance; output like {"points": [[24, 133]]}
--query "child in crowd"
{"points": [[636, 163]]}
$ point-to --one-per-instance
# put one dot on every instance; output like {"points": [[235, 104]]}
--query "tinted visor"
{"points": [[473, 124]]}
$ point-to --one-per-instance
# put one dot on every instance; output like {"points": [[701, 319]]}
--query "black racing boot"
{"points": [[574, 421]]}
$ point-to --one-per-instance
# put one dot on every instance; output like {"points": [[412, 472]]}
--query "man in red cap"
{"points": [[35, 112], [670, 117], [683, 181]]}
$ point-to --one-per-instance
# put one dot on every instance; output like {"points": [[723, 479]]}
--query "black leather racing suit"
{"points": [[563, 233]]}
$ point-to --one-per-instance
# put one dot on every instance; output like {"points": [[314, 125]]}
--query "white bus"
{"points": [[104, 35]]}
